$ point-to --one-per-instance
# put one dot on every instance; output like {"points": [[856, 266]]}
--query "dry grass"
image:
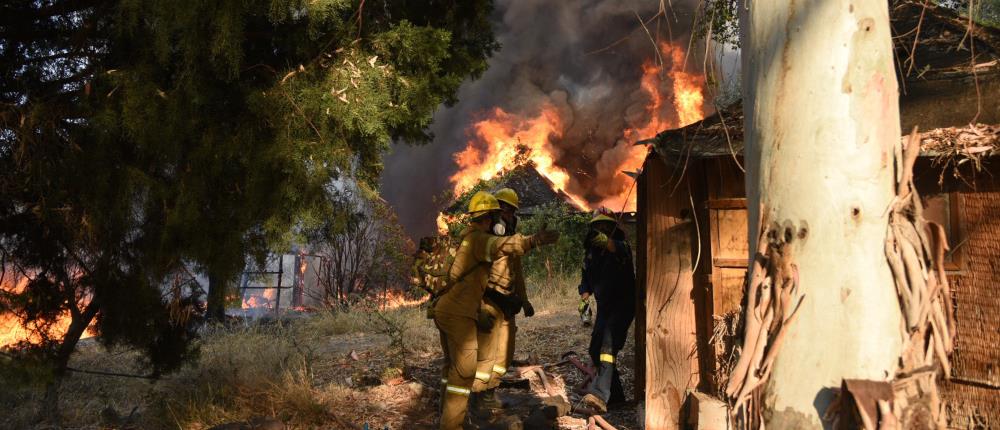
{"points": [[320, 371], [299, 371]]}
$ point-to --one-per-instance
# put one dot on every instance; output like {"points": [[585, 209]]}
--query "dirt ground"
{"points": [[412, 402], [317, 370]]}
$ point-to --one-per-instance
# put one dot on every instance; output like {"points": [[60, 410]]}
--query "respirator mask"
{"points": [[502, 227], [499, 227]]}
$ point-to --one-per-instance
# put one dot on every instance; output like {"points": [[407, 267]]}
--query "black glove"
{"points": [[509, 304], [544, 236], [529, 310], [484, 321]]}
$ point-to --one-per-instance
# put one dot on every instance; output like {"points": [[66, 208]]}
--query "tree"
{"points": [[370, 252], [822, 128], [140, 136]]}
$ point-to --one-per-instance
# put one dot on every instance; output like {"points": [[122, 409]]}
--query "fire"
{"points": [[264, 299], [13, 332], [512, 140], [397, 299], [686, 108], [502, 140]]}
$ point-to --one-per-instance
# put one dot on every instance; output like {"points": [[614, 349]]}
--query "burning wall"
{"points": [[574, 86]]}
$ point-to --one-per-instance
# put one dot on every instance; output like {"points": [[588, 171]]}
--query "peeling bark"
{"points": [[915, 248], [822, 127]]}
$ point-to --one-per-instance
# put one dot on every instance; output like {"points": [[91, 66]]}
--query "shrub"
{"points": [[564, 257]]}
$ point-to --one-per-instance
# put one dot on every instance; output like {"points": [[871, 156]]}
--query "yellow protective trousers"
{"points": [[505, 334], [489, 346], [459, 338]]}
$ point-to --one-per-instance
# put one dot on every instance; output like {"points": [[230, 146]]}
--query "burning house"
{"points": [[693, 251]]}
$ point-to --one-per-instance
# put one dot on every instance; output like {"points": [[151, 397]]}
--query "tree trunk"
{"points": [[822, 122], [78, 325], [216, 307]]}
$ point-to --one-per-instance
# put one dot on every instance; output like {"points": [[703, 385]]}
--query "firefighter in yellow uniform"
{"points": [[505, 296], [457, 310]]}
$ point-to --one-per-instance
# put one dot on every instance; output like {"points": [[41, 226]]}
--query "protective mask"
{"points": [[500, 228]]}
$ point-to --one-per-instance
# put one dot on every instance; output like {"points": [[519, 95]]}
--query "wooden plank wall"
{"points": [[721, 254], [729, 245], [640, 288], [671, 362]]}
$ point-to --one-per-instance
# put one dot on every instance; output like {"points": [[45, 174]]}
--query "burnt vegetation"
{"points": [[141, 141]]}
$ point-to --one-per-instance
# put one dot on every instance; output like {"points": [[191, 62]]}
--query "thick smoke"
{"points": [[583, 57]]}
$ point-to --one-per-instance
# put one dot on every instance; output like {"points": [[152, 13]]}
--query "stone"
{"points": [[539, 420], [560, 404]]}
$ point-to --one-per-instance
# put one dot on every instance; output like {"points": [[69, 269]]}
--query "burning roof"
{"points": [[533, 189], [938, 77]]}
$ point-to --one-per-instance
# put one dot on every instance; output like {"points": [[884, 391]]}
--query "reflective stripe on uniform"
{"points": [[455, 389], [499, 370], [607, 358], [483, 376]]}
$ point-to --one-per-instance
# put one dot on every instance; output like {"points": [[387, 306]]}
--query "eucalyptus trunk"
{"points": [[822, 127]]}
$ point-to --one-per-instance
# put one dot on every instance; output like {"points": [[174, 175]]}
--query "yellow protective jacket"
{"points": [[507, 276], [474, 258]]}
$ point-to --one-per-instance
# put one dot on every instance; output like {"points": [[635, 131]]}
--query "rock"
{"points": [[539, 420], [506, 422], [259, 423], [560, 404], [110, 417], [266, 423]]}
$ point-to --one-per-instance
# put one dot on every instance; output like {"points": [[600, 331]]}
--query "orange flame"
{"points": [[13, 332], [512, 140], [263, 299], [504, 140], [397, 299]]}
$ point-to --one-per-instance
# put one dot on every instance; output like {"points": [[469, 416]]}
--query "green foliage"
{"points": [[563, 258], [718, 19], [138, 137]]}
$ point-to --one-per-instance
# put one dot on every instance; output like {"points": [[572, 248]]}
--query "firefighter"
{"points": [[609, 276], [421, 275], [505, 296], [457, 310]]}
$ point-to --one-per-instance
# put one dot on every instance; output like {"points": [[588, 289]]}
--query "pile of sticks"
{"points": [[915, 249], [773, 300]]}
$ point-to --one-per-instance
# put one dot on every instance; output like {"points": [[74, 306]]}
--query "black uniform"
{"points": [[610, 278]]}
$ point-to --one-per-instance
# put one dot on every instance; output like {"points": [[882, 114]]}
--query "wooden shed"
{"points": [[692, 227]]}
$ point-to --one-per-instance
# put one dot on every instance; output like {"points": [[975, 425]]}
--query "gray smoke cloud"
{"points": [[583, 57]]}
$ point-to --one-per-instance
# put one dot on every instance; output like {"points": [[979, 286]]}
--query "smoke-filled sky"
{"points": [[583, 57]]}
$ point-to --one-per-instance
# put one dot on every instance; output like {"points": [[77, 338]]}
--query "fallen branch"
{"points": [[603, 423]]}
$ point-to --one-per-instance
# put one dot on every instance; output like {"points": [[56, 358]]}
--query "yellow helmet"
{"points": [[482, 202], [508, 196], [603, 214]]}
